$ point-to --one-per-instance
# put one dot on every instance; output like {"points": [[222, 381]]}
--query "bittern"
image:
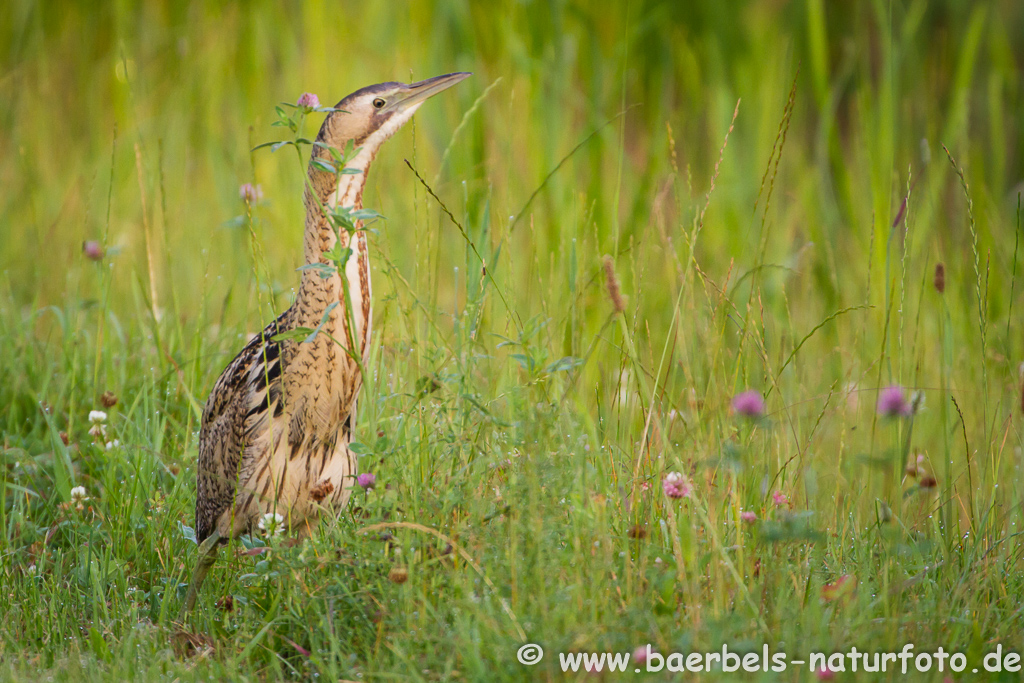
{"points": [[277, 426]]}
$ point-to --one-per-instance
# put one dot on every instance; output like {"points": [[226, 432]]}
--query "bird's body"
{"points": [[276, 427], [279, 419]]}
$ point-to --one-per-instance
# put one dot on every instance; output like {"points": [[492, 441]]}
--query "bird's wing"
{"points": [[238, 405]]}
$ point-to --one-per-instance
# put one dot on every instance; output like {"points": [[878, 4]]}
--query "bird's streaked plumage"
{"points": [[276, 427]]}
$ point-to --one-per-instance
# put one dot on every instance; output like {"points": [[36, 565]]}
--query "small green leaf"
{"points": [[270, 144], [251, 542], [365, 215], [327, 313], [563, 364], [188, 533], [335, 152], [322, 165], [99, 645], [359, 449], [297, 334], [325, 269], [427, 384]]}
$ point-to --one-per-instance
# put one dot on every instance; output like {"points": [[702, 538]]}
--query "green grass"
{"points": [[520, 423]]}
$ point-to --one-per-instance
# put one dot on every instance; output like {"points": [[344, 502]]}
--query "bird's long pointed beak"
{"points": [[416, 93]]}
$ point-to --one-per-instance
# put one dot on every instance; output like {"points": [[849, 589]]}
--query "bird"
{"points": [[276, 428]]}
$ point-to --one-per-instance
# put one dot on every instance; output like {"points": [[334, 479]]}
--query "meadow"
{"points": [[630, 217]]}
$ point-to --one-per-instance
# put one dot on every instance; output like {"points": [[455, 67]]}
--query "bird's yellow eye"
{"points": [[378, 103]]}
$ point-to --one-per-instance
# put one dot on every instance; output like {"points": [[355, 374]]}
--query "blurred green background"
{"points": [[881, 86]]}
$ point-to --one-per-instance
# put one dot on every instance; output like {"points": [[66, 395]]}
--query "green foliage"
{"points": [[519, 428]]}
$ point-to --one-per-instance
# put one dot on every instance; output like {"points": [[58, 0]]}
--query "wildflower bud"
{"points": [[614, 293], [65, 439], [92, 250], [893, 402], [748, 404], [940, 278], [250, 194], [641, 654], [676, 485], [309, 101], [367, 481], [748, 516]]}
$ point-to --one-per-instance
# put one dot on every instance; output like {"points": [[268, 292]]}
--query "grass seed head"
{"points": [[321, 490], [614, 291]]}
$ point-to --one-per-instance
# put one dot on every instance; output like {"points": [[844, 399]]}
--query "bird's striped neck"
{"points": [[324, 192]]}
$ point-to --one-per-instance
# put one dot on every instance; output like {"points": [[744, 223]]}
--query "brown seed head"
{"points": [[398, 575], [614, 293], [928, 482], [65, 439], [321, 490], [108, 399], [940, 278]]}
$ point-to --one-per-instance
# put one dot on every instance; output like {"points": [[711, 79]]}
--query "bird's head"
{"points": [[371, 115]]}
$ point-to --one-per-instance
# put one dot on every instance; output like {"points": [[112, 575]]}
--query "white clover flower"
{"points": [[78, 494], [113, 444], [98, 430], [97, 416], [272, 523]]}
